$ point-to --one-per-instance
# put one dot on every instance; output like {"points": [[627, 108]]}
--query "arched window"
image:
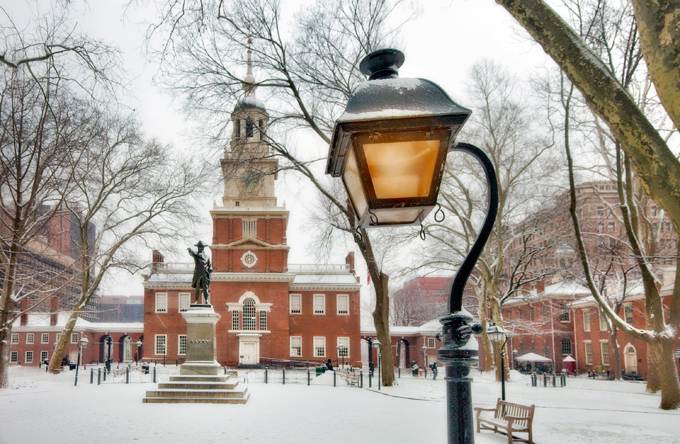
{"points": [[566, 346], [237, 129], [249, 319], [249, 128]]}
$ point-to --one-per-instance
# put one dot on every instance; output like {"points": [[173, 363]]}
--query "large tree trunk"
{"points": [[661, 357], [615, 354], [381, 319], [487, 346]]}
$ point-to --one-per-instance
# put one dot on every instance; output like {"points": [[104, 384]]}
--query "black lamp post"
{"points": [[378, 346], [109, 343], [497, 334], [389, 147], [370, 351], [81, 346]]}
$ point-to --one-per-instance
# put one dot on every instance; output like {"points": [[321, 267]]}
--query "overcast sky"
{"points": [[440, 45]]}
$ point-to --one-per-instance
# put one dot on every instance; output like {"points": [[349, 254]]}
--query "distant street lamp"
{"points": [[424, 350], [81, 346], [378, 346], [109, 343], [496, 334], [389, 147]]}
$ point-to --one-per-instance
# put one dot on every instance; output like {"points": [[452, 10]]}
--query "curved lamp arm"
{"points": [[456, 296]]}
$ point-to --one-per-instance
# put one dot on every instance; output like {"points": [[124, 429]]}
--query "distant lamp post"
{"points": [[377, 345], [424, 350], [82, 344], [496, 334], [389, 147], [139, 349], [109, 343]]}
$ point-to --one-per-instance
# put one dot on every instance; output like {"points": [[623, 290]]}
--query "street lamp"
{"points": [[378, 346], [497, 334], [81, 346], [389, 147], [424, 350], [109, 342], [139, 349]]}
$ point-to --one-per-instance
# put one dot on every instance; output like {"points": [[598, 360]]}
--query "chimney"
{"points": [[157, 258], [350, 260], [54, 310], [540, 286], [23, 320]]}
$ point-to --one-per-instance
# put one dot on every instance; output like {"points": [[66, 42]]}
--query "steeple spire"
{"points": [[249, 81]]}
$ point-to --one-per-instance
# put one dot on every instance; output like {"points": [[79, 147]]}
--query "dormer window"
{"points": [[249, 128]]}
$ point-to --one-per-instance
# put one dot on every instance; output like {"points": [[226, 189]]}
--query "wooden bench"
{"points": [[508, 418], [351, 378]]}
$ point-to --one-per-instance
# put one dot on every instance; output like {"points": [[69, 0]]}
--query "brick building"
{"points": [[268, 309]]}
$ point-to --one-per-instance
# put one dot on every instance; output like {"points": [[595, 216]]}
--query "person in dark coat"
{"points": [[329, 365]]}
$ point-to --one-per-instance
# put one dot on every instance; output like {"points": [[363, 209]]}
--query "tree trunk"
{"points": [[381, 319], [57, 356], [487, 346], [661, 352], [615, 354], [5, 334]]}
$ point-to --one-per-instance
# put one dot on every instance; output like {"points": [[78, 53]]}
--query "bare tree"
{"points": [[126, 192], [505, 127], [308, 74]]}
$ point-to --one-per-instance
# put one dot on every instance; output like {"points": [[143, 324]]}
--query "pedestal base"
{"points": [[200, 368]]}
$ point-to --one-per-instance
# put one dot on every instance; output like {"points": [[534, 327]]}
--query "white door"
{"points": [[250, 353], [73, 356], [630, 358]]}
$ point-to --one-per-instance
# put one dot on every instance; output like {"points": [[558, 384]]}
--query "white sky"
{"points": [[440, 45]]}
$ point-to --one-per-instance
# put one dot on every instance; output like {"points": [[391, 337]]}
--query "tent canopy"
{"points": [[533, 357]]}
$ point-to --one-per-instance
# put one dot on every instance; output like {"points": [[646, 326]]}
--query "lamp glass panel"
{"points": [[397, 215], [352, 181], [401, 170]]}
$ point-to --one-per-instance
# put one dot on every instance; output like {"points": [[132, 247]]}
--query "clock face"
{"points": [[249, 180]]}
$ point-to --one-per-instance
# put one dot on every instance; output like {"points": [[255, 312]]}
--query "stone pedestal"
{"points": [[201, 349], [199, 379]]}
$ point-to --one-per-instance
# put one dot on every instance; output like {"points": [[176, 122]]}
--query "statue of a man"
{"points": [[202, 270]]}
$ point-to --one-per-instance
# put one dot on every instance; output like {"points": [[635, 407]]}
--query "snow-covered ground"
{"points": [[43, 408]]}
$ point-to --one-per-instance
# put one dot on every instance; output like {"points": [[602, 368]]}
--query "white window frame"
{"points": [[319, 304], [74, 338], [603, 322], [262, 320], [30, 338], [431, 343], [296, 346], [235, 320], [15, 338], [588, 352], [44, 355], [250, 228], [181, 344], [319, 343], [295, 303], [160, 345], [342, 301], [58, 337], [161, 303], [14, 356], [565, 317], [183, 302], [586, 319], [29, 357], [343, 341], [44, 338], [628, 313], [604, 352]]}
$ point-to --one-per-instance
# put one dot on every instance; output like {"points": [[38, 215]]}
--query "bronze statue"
{"points": [[202, 270]]}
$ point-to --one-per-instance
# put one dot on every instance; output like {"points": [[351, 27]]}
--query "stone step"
{"points": [[199, 378], [182, 393], [230, 385], [162, 400]]}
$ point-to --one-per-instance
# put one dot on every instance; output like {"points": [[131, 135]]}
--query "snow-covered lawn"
{"points": [[43, 408]]}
